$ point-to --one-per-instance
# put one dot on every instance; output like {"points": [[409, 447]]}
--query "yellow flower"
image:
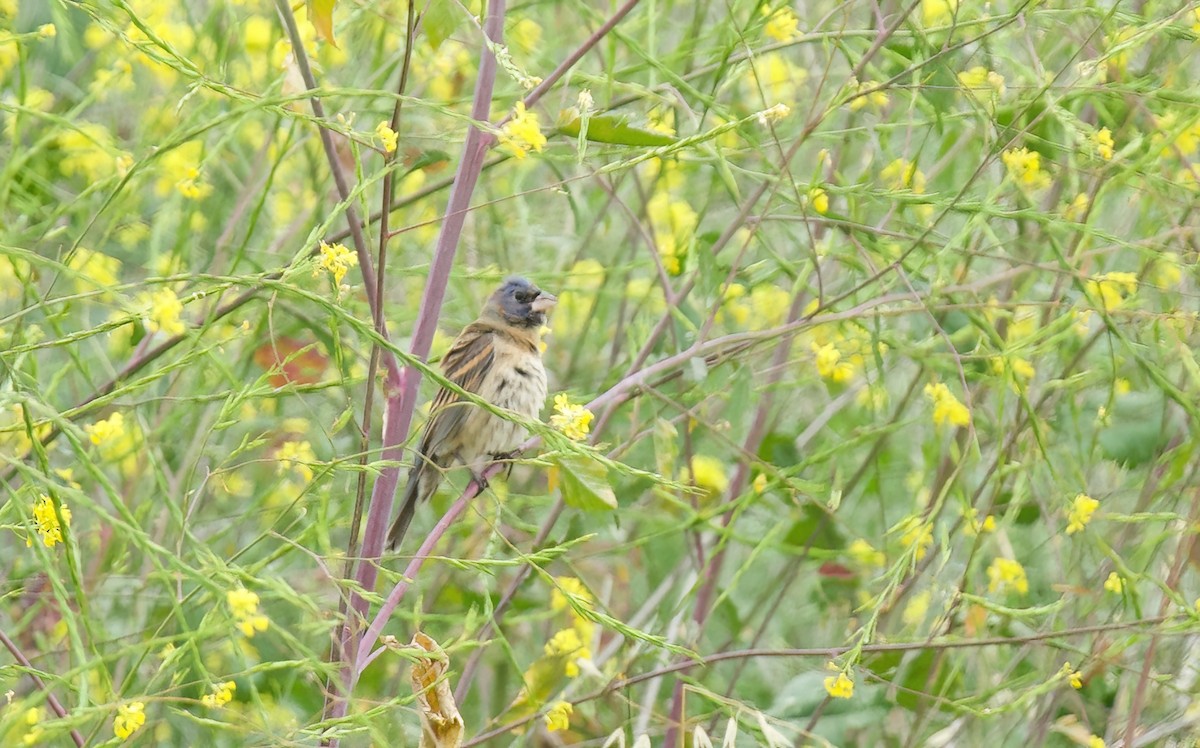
{"points": [[937, 12], [902, 174], [1166, 272], [864, 554], [243, 604], [981, 82], [1082, 509], [1078, 207], [915, 534], [522, 134], [179, 170], [829, 363], [163, 309], [388, 136], [95, 270], [33, 733], [129, 718], [256, 34], [559, 716], [45, 521], [707, 473], [974, 526], [1113, 288], [569, 586], [946, 407], [781, 25], [876, 97], [1103, 142], [295, 455], [839, 686], [1025, 168], [1095, 741], [337, 259], [574, 421], [760, 483], [87, 151], [769, 306], [106, 431], [568, 643], [1114, 583], [673, 225], [222, 694], [819, 200], [47, 31], [1005, 575]]}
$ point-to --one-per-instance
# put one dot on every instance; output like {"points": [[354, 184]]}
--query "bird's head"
{"points": [[519, 303]]}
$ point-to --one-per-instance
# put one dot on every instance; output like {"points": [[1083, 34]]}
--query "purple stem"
{"points": [[22, 660]]}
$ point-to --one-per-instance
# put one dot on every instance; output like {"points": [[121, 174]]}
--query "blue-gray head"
{"points": [[520, 303]]}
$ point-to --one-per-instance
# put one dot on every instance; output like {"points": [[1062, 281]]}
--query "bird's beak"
{"points": [[544, 302]]}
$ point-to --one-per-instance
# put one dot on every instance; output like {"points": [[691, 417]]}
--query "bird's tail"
{"points": [[423, 480]]}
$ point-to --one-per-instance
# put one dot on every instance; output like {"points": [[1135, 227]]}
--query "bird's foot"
{"points": [[508, 457]]}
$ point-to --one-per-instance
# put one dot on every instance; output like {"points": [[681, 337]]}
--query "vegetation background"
{"points": [[874, 373]]}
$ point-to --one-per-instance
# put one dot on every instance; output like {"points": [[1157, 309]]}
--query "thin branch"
{"points": [[51, 699]]}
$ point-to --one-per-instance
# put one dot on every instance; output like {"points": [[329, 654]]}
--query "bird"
{"points": [[497, 357]]}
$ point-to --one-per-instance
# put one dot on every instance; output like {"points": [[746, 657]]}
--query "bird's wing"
{"points": [[466, 364]]}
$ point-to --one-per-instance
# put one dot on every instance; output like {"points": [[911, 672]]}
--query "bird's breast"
{"points": [[516, 382]]}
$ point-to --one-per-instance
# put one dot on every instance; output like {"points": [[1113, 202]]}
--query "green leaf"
{"points": [[607, 128], [320, 14], [439, 21], [585, 484]]}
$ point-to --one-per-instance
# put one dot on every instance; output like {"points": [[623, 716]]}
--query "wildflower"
{"points": [[297, 455], [981, 82], [1103, 142], [559, 716], [569, 644], [1082, 509], [769, 305], [222, 694], [819, 200], [916, 534], [781, 24], [256, 34], [1114, 583], [94, 270], [707, 473], [1113, 288], [772, 114], [243, 604], [163, 309], [946, 407], [33, 719], [760, 483], [106, 431], [974, 526], [1078, 207], [45, 520], [917, 608], [192, 186], [130, 717], [521, 133], [865, 554], [1025, 168], [1005, 575], [867, 92], [902, 174], [87, 150], [179, 170], [47, 31], [673, 225], [337, 259], [388, 136], [1096, 741], [572, 587], [1166, 272], [574, 421], [828, 360], [839, 686], [937, 12]]}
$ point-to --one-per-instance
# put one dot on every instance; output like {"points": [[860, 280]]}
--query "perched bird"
{"points": [[497, 357]]}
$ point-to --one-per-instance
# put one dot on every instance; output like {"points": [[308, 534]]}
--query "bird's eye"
{"points": [[526, 296]]}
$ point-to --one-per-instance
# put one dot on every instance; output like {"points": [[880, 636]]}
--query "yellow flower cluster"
{"points": [[1102, 141], [839, 686], [981, 83], [673, 226], [130, 717], [915, 533], [1082, 509], [877, 98], [763, 307], [572, 643], [163, 310], [574, 421], [946, 407], [938, 12], [522, 133], [706, 472], [222, 694], [295, 455], [45, 521], [387, 136], [1114, 583], [243, 604], [1113, 288], [864, 554], [973, 526], [337, 259], [1025, 168], [558, 717], [1007, 575], [902, 174], [782, 24]]}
